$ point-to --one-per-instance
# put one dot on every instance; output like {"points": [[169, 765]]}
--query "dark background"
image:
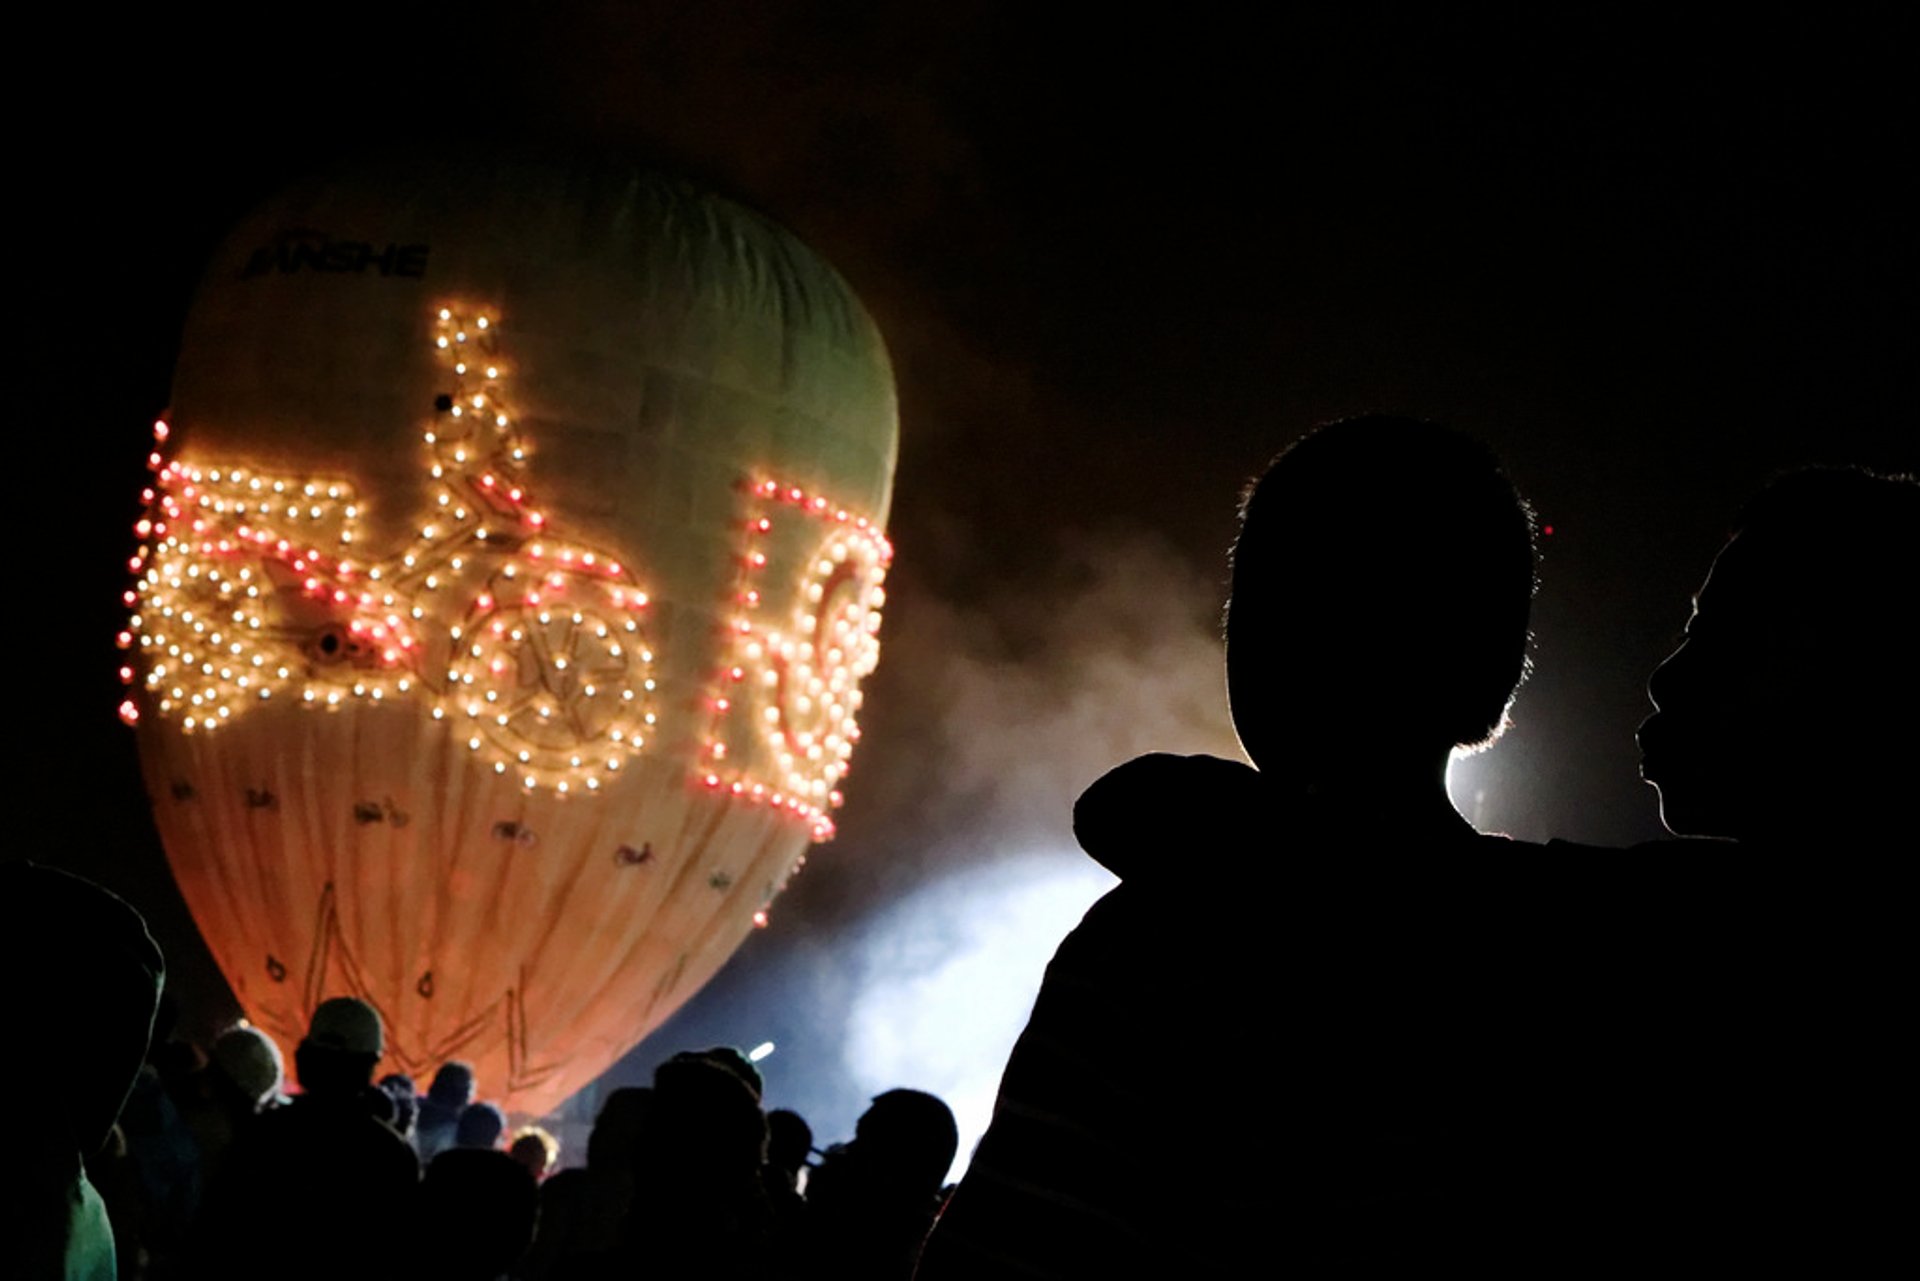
{"points": [[1650, 256]]}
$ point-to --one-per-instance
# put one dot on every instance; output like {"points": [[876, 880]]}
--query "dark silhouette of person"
{"points": [[1786, 721], [86, 977], [480, 1126], [243, 1073], [584, 1212], [179, 1134], [789, 1143], [477, 1214], [535, 1149], [406, 1103], [1786, 718], [319, 1187], [1291, 1035], [698, 1207], [439, 1112], [872, 1200], [165, 1154]]}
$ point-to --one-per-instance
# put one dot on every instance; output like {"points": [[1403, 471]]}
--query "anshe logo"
{"points": [[305, 250]]}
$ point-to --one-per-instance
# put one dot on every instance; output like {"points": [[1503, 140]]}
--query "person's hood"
{"points": [[89, 976], [1134, 813]]}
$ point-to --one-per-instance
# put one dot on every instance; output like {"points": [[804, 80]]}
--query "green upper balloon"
{"points": [[662, 346]]}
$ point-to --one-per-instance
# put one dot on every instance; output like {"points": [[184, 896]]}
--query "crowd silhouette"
{"points": [[1422, 1046]]}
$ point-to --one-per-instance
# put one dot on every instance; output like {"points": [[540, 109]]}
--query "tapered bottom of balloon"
{"points": [[368, 852]]}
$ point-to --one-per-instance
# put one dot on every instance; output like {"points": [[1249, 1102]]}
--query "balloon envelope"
{"points": [[510, 568]]}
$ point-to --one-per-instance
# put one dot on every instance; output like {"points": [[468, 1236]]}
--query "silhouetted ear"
{"points": [[1159, 802]]}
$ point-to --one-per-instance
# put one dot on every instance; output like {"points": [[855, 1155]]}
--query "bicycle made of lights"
{"points": [[248, 589]]}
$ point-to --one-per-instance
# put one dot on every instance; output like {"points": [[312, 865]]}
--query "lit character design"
{"points": [[249, 588], [789, 696]]}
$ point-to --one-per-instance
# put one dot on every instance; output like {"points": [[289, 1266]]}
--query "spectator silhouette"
{"points": [[535, 1149], [697, 1203], [1331, 906], [249, 1070], [477, 1214], [872, 1200], [789, 1143], [90, 977], [1786, 719], [315, 1189], [1804, 633], [399, 1087], [583, 1213], [439, 1115], [180, 1137], [480, 1126], [164, 1154]]}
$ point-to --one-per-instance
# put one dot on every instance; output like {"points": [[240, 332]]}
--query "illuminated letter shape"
{"points": [[806, 635], [529, 644]]}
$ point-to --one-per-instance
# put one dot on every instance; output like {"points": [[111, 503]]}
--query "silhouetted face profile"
{"points": [[1788, 710]]}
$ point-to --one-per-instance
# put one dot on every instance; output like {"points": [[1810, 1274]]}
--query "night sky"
{"points": [[1120, 262]]}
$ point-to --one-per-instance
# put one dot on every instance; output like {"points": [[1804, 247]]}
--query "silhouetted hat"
{"points": [[347, 1024], [250, 1059], [732, 1061]]}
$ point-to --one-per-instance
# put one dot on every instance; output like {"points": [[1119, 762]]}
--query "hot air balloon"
{"points": [[511, 563]]}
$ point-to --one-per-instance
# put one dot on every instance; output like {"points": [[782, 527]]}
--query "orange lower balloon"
{"points": [[535, 936]]}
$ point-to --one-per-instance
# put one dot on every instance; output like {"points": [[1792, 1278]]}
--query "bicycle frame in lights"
{"points": [[528, 644]]}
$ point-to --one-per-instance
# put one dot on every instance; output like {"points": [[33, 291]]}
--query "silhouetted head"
{"points": [[248, 1058], [617, 1129], [705, 1124], [1789, 709], [343, 1043], [912, 1135], [452, 1085], [725, 1056], [477, 1210], [1381, 586], [534, 1148], [480, 1126], [789, 1140]]}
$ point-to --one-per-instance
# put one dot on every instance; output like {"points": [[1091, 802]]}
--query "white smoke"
{"points": [[950, 974], [1117, 653]]}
